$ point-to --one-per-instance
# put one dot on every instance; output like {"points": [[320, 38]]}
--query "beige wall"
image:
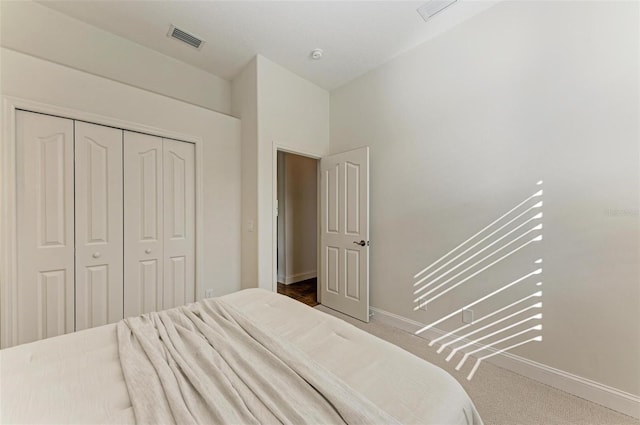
{"points": [[32, 28], [297, 218], [462, 127], [35, 79]]}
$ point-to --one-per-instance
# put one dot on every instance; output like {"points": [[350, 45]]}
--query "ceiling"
{"points": [[356, 36]]}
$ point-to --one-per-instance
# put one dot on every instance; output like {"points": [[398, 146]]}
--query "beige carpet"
{"points": [[502, 397]]}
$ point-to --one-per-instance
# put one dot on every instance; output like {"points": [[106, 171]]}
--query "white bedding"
{"points": [[77, 378]]}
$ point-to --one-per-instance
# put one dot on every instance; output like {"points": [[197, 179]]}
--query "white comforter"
{"points": [[207, 363], [77, 378]]}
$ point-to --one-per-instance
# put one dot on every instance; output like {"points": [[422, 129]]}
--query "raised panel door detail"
{"points": [[332, 200], [44, 288], [144, 247], [51, 205], [148, 286], [179, 222], [149, 189], [352, 273], [352, 198], [332, 270], [99, 227], [52, 304], [177, 195], [175, 287], [98, 192], [97, 295]]}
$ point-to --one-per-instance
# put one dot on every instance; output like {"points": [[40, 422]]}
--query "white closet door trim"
{"points": [[8, 259]]}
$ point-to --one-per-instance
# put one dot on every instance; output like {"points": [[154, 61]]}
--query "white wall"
{"points": [[462, 127], [292, 113], [43, 81], [298, 211], [244, 105], [32, 28]]}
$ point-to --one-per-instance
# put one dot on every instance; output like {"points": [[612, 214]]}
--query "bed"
{"points": [[78, 378]]}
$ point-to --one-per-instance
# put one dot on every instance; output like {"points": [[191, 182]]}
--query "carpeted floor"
{"points": [[502, 397]]}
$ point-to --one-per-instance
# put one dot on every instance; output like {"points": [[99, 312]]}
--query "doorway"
{"points": [[297, 227]]}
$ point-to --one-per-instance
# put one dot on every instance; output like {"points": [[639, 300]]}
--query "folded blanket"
{"points": [[206, 363]]}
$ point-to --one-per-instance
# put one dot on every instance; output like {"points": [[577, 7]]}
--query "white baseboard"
{"points": [[607, 396], [298, 277]]}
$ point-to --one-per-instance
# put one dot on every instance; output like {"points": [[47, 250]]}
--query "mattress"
{"points": [[76, 378]]}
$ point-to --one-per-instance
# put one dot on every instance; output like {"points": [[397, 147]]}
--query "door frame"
{"points": [[277, 147], [8, 195]]}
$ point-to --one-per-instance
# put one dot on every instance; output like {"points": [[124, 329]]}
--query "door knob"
{"points": [[148, 250], [96, 255], [361, 243]]}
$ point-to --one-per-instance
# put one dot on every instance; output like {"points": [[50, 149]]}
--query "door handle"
{"points": [[96, 255], [147, 251], [361, 243]]}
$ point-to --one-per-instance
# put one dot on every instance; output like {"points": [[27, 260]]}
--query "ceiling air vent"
{"points": [[433, 7], [185, 37]]}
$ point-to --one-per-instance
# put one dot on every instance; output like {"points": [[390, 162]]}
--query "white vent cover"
{"points": [[185, 37], [433, 7]]}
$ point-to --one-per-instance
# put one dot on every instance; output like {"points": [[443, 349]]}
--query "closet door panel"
{"points": [[179, 223], [45, 198], [99, 240], [143, 224]]}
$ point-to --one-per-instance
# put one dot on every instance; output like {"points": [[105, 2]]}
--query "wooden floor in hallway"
{"points": [[305, 291]]}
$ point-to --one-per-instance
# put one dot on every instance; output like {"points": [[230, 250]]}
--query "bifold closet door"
{"points": [[179, 223], [143, 223], [99, 240], [45, 198], [159, 223]]}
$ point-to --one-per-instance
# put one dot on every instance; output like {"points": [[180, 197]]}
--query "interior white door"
{"points": [[45, 226], [344, 228], [143, 223], [179, 223], [99, 240]]}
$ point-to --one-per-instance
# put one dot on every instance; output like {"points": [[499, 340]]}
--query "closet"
{"points": [[106, 224]]}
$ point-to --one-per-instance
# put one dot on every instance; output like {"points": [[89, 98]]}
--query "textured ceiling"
{"points": [[355, 36]]}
